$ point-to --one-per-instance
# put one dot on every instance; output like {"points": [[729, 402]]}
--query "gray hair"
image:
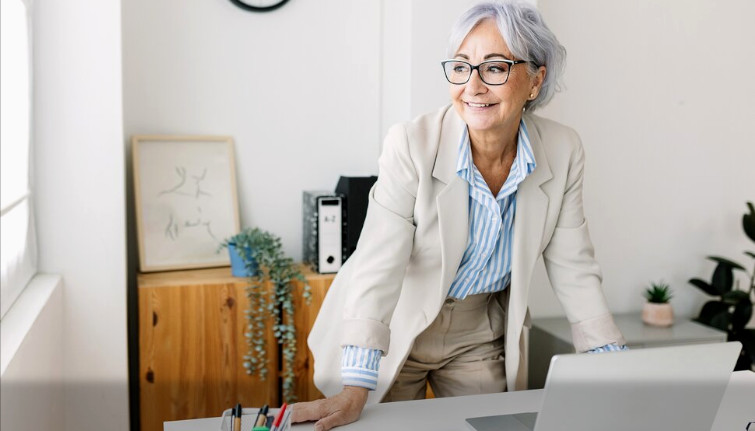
{"points": [[527, 37]]}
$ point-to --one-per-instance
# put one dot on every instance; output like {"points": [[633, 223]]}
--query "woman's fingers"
{"points": [[328, 413], [341, 409], [335, 419], [307, 411]]}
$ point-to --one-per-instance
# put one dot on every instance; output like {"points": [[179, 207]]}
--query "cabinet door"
{"points": [[304, 318], [192, 346]]}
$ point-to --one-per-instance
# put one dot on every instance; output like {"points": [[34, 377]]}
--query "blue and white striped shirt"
{"points": [[486, 264]]}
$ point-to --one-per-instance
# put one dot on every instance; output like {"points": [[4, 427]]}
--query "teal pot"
{"points": [[239, 268]]}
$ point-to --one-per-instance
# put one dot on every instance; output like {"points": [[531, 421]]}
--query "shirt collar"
{"points": [[525, 158]]}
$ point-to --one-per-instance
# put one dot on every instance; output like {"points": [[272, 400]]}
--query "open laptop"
{"points": [[666, 388]]}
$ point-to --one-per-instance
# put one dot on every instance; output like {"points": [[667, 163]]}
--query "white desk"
{"points": [[448, 414]]}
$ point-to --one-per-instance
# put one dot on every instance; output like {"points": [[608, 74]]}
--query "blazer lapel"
{"points": [[452, 201], [529, 223], [453, 214]]}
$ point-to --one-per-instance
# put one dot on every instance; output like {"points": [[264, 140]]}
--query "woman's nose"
{"points": [[475, 84]]}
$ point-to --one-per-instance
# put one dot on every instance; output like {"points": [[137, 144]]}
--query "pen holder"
{"points": [[248, 415]]}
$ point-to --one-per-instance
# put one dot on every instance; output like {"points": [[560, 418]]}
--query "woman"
{"points": [[468, 198]]}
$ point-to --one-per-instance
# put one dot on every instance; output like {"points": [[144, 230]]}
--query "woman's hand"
{"points": [[341, 409]]}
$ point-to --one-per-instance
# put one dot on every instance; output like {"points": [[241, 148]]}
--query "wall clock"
{"points": [[259, 5]]}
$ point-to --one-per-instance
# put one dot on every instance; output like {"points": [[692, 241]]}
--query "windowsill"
{"points": [[19, 320]]}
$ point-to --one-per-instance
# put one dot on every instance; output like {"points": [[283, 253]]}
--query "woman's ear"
{"points": [[537, 80]]}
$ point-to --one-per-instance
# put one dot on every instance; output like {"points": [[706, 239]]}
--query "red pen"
{"points": [[279, 417]]}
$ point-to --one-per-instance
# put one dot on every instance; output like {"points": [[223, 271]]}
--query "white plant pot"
{"points": [[658, 314]]}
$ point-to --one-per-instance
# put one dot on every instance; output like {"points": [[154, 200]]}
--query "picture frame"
{"points": [[185, 199]]}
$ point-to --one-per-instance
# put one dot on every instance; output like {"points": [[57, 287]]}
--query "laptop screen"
{"points": [[667, 388]]}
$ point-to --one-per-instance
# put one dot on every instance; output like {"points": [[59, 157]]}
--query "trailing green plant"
{"points": [[658, 293], [265, 261], [732, 308]]}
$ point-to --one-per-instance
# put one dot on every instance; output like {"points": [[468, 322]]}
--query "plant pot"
{"points": [[658, 314], [239, 268]]}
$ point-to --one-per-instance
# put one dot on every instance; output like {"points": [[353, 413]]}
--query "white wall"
{"points": [[662, 96], [298, 89], [31, 386], [79, 183], [415, 36], [669, 155], [212, 69], [667, 150], [431, 27], [396, 63]]}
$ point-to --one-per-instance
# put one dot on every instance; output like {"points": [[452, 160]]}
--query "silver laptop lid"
{"points": [[667, 388]]}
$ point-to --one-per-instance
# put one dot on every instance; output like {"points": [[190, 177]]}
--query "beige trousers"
{"points": [[460, 353]]}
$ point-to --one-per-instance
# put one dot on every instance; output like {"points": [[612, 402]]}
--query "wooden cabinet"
{"points": [[191, 345], [304, 317]]}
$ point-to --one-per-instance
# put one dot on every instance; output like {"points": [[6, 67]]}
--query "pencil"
{"points": [[237, 417], [261, 416]]}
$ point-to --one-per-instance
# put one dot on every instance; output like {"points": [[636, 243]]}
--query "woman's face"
{"points": [[492, 108]]}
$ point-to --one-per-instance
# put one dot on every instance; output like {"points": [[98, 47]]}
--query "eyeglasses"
{"points": [[492, 72]]}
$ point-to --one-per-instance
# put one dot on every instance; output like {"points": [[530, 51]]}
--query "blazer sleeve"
{"points": [[570, 262], [384, 248]]}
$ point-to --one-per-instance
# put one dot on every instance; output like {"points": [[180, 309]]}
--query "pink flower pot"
{"points": [[658, 314]]}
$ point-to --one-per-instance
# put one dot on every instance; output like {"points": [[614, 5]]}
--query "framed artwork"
{"points": [[186, 203]]}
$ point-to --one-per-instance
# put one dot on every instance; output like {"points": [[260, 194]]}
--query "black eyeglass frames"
{"points": [[492, 72]]}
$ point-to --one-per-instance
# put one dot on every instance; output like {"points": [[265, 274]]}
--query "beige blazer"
{"points": [[414, 236]]}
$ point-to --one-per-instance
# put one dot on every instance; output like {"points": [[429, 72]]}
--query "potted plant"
{"points": [[264, 262], [657, 310], [732, 308]]}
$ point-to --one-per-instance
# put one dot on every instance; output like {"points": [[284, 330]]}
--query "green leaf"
{"points": [[741, 315], [735, 297], [658, 293], [275, 268], [727, 262], [716, 314], [705, 287], [747, 338], [721, 321], [723, 278], [748, 222]]}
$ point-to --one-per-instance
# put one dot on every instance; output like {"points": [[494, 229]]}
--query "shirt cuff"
{"points": [[359, 367], [613, 347]]}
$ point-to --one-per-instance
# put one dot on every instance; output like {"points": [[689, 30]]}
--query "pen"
{"points": [[278, 417], [286, 418], [261, 416], [237, 417]]}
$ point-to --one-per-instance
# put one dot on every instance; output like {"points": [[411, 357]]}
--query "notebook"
{"points": [[666, 388]]}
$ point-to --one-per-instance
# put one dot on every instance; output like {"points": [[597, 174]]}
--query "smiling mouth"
{"points": [[479, 105]]}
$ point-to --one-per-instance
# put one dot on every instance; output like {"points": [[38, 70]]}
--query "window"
{"points": [[17, 239]]}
